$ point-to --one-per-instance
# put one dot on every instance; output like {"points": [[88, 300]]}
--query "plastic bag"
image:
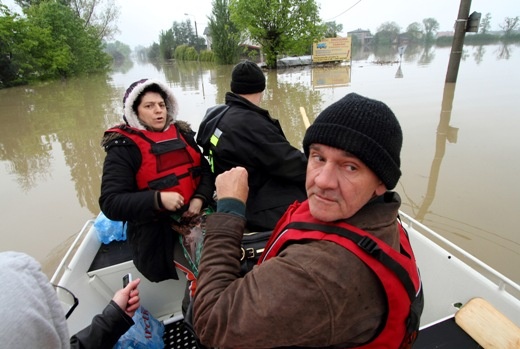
{"points": [[108, 230], [191, 236], [192, 244], [146, 333]]}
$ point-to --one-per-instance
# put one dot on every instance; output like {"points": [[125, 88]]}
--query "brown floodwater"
{"points": [[459, 159]]}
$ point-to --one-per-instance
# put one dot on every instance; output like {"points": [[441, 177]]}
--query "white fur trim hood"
{"points": [[135, 90]]}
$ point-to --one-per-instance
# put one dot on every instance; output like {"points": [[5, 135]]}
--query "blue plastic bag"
{"points": [[108, 230], [146, 333]]}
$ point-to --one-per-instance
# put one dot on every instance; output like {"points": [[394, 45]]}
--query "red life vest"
{"points": [[168, 162], [397, 272]]}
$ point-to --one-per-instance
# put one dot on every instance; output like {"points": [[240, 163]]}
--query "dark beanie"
{"points": [[247, 78], [365, 128]]}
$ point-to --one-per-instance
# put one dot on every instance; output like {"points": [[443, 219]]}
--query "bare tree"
{"points": [[387, 33], [485, 24], [510, 24], [333, 29], [98, 14], [414, 32], [430, 28]]}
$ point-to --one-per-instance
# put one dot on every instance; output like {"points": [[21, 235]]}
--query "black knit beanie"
{"points": [[247, 78], [365, 128]]}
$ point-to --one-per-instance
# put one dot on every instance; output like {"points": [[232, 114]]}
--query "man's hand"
{"points": [[233, 184], [128, 298]]}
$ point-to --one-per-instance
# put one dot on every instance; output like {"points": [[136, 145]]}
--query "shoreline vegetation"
{"points": [[53, 41]]}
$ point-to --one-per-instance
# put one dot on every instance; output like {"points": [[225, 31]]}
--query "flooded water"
{"points": [[459, 159]]}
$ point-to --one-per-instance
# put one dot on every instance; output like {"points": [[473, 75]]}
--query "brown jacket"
{"points": [[315, 294]]}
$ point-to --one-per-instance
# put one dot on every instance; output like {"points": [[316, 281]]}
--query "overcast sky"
{"points": [[141, 21]]}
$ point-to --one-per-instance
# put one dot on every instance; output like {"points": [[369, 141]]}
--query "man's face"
{"points": [[338, 184]]}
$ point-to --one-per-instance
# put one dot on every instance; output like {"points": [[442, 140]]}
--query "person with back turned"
{"points": [[241, 133]]}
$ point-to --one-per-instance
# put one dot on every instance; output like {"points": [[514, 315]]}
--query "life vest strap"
{"points": [[366, 243]]}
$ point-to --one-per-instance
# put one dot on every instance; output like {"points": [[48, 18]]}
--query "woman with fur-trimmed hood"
{"points": [[153, 176]]}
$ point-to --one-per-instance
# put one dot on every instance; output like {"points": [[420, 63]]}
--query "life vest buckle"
{"points": [[368, 244], [250, 253]]}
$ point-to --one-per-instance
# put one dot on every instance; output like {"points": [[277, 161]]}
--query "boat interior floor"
{"points": [[112, 253], [446, 335], [176, 336]]}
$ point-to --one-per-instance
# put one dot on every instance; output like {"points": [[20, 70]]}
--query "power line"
{"points": [[343, 11]]}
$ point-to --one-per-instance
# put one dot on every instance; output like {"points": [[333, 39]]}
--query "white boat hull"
{"points": [[450, 277]]}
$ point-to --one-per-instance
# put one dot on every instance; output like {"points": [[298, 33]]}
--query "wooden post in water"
{"points": [[458, 41]]}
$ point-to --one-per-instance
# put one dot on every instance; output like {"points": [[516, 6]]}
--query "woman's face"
{"points": [[152, 111]]}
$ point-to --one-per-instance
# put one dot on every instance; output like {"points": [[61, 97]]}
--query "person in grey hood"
{"points": [[155, 178], [33, 317]]}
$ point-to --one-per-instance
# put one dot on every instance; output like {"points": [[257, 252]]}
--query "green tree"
{"points": [[193, 39], [182, 32], [167, 44], [387, 33], [510, 25], [24, 4], [50, 42], [101, 15], [414, 32], [119, 51], [430, 29], [485, 23], [72, 49], [284, 26], [154, 52], [332, 29], [9, 64], [225, 36]]}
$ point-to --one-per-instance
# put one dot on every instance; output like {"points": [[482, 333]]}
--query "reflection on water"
{"points": [[458, 174], [445, 133]]}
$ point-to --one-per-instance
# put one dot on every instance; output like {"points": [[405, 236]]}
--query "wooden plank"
{"points": [[305, 118], [487, 326]]}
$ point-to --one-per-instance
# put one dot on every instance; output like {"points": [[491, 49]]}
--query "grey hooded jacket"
{"points": [[33, 317]]}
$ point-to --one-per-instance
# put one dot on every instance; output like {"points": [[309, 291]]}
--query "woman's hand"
{"points": [[171, 200], [195, 207]]}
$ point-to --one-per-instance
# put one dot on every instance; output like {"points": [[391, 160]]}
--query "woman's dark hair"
{"points": [[150, 88]]}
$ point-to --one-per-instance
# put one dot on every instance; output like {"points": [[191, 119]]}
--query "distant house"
{"points": [[251, 52], [208, 37], [248, 46], [441, 34], [403, 39], [363, 36]]}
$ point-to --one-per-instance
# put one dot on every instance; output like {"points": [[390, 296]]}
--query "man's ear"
{"points": [[380, 189]]}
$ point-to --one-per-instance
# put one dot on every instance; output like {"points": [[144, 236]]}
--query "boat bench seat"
{"points": [[446, 335], [113, 253]]}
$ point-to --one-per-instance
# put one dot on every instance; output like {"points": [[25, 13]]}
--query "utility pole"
{"points": [[458, 41], [194, 21]]}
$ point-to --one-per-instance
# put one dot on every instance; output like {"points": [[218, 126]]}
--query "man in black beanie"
{"points": [[241, 133], [338, 271]]}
